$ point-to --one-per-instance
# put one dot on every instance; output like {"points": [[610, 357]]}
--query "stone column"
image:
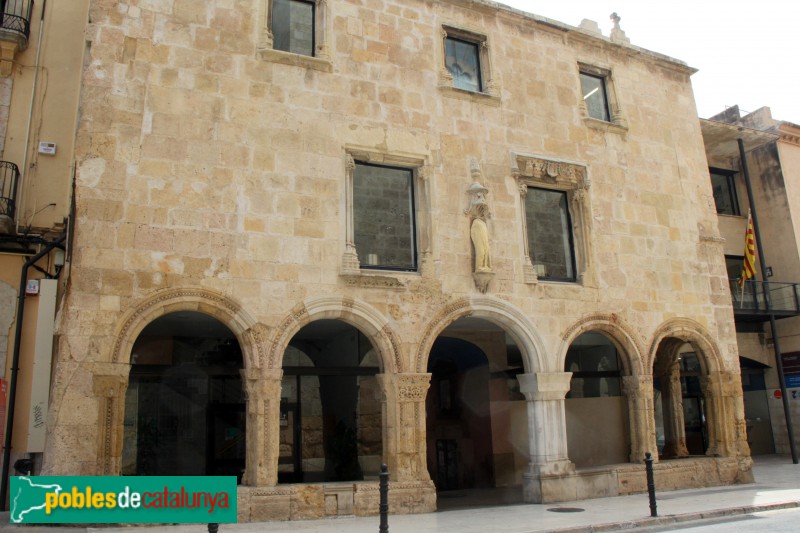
{"points": [[109, 385], [404, 450], [672, 402], [547, 431], [727, 431], [641, 414], [263, 391]]}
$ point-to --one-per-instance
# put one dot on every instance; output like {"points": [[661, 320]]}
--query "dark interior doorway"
{"points": [[331, 412], [476, 418], [185, 406], [459, 421]]}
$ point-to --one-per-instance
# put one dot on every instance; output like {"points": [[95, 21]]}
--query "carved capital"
{"points": [[544, 385], [639, 387], [412, 387], [404, 387]]}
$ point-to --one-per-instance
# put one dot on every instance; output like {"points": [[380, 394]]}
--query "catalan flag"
{"points": [[749, 264]]}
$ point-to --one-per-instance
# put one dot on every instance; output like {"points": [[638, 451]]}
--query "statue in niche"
{"points": [[478, 211]]}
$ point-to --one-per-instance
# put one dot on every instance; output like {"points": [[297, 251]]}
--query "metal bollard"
{"points": [[651, 484], [213, 528], [384, 505]]}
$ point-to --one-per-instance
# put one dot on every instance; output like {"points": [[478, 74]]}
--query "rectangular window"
{"points": [[724, 192], [462, 59], [593, 90], [384, 227], [293, 26], [733, 264], [550, 244]]}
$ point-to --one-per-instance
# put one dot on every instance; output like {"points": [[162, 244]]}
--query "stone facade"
{"points": [[215, 175]]}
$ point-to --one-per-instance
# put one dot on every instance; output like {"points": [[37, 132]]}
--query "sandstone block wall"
{"points": [[206, 165]]}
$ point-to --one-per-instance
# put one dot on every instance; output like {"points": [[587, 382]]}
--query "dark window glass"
{"points": [[550, 234], [463, 63], [594, 363], [724, 193], [733, 263], [293, 26], [383, 217], [593, 89]]}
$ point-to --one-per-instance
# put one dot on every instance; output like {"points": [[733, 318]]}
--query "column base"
{"points": [[549, 482]]}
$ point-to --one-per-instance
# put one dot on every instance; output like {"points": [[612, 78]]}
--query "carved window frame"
{"points": [[571, 178], [321, 60], [351, 265], [617, 122], [489, 90]]}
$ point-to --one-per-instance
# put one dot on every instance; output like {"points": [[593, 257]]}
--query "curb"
{"points": [[679, 518]]}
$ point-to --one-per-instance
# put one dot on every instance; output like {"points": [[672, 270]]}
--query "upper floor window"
{"points": [[725, 199], [463, 62], [599, 104], [295, 32], [384, 224], [557, 220], [550, 244], [293, 26], [595, 97]]}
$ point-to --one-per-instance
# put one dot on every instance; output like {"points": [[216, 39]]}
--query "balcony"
{"points": [[15, 29], [9, 176], [760, 299]]}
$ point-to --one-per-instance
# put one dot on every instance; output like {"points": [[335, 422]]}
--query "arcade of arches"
{"points": [[480, 426]]}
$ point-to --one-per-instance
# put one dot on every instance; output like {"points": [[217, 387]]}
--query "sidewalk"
{"points": [[777, 486]]}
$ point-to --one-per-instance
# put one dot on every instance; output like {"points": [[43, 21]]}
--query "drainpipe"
{"points": [[773, 326], [12, 384]]}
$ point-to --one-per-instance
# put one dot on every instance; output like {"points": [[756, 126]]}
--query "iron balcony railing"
{"points": [[764, 298], [9, 176], [15, 16]]}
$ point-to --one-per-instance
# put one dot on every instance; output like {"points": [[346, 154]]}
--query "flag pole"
{"points": [[773, 326]]}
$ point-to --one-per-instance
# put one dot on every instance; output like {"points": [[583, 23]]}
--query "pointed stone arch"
{"points": [[110, 385], [354, 312], [250, 334], [617, 330], [637, 384], [677, 331], [497, 311], [721, 387]]}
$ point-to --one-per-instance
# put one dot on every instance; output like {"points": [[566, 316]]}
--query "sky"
{"points": [[745, 50]]}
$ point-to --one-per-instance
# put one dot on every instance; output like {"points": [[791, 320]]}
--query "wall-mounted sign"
{"points": [[47, 148]]}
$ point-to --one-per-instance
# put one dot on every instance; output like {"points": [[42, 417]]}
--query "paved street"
{"points": [[783, 521], [777, 486]]}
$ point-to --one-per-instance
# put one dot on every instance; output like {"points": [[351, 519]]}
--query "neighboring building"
{"points": [[314, 236], [771, 150], [41, 58]]}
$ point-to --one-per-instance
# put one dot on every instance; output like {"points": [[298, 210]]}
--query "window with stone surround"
{"points": [[724, 188], [383, 223], [293, 26], [294, 32], [550, 244], [556, 219], [593, 91], [599, 105], [465, 63]]}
